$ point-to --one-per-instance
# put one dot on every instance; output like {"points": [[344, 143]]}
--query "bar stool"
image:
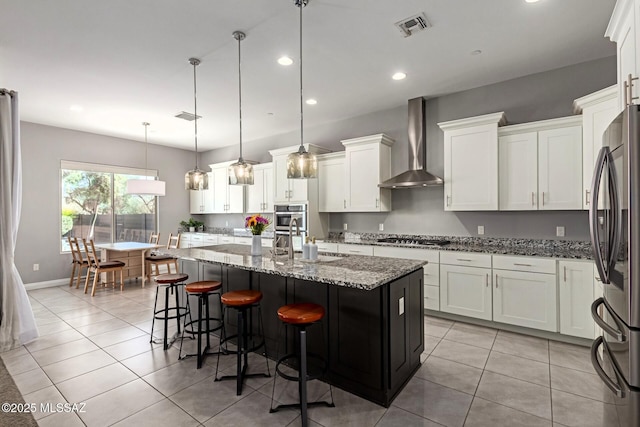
{"points": [[242, 301], [301, 315], [171, 283], [202, 290]]}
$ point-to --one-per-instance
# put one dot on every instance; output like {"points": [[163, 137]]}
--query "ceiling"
{"points": [[126, 61]]}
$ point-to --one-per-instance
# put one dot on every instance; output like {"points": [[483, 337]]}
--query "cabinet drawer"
{"points": [[432, 274], [242, 240], [355, 249], [407, 253], [267, 243], [465, 258], [210, 240], [327, 247], [225, 240], [534, 265], [432, 297]]}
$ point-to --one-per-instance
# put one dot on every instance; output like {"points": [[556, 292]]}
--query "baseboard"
{"points": [[46, 284]]}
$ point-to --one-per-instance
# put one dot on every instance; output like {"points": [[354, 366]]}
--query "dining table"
{"points": [[131, 253]]}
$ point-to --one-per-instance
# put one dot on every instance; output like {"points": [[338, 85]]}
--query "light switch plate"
{"points": [[480, 230], [560, 231], [344, 226], [401, 306], [380, 227]]}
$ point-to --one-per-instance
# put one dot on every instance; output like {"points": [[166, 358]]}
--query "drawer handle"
{"points": [[464, 259], [522, 264], [496, 280], [487, 280]]}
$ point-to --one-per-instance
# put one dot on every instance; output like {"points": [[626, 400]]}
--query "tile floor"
{"points": [[96, 351]]}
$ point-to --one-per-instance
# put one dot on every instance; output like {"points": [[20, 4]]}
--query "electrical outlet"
{"points": [[226, 223], [380, 227], [36, 267], [344, 226], [480, 230], [560, 231]]}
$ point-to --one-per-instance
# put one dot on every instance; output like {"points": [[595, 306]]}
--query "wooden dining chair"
{"points": [[154, 238], [78, 261], [154, 261], [97, 267]]}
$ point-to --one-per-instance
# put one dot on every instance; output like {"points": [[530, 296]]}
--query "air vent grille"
{"points": [[187, 116], [413, 24]]}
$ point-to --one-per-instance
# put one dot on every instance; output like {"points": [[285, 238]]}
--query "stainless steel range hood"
{"points": [[417, 175]]}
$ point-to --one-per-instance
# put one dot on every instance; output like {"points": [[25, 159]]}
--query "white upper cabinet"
{"points": [[598, 111], [367, 164], [287, 190], [471, 163], [201, 202], [260, 194], [226, 198], [331, 183], [541, 165], [624, 29]]}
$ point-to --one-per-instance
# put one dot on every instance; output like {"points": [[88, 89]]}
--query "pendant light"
{"points": [[196, 179], [240, 172], [146, 187], [301, 164]]}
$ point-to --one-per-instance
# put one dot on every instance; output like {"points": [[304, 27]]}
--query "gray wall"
{"points": [[535, 97], [42, 149]]}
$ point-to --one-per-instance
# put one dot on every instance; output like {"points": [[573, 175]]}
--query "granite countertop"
{"points": [[496, 246], [354, 271]]}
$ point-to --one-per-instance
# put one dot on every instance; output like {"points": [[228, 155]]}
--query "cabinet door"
{"points": [[362, 165], [298, 190], [207, 196], [331, 197], [518, 171], [595, 121], [471, 169], [576, 296], [255, 192], [560, 168], [627, 56], [525, 299], [195, 202], [235, 196], [280, 180], [465, 291], [268, 189], [218, 181]]}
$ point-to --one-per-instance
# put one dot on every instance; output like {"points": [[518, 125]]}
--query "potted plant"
{"points": [[191, 225]]}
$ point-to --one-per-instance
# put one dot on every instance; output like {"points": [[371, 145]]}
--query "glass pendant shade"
{"points": [[196, 179], [146, 187], [302, 165], [241, 173]]}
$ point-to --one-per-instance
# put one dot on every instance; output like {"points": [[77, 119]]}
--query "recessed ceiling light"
{"points": [[399, 76], [311, 101], [476, 52], [76, 108], [285, 60]]}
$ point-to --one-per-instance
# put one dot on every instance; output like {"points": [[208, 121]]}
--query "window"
{"points": [[94, 204]]}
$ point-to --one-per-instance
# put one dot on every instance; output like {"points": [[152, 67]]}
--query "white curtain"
{"points": [[17, 324]]}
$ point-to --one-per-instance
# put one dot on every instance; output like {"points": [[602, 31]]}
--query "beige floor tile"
{"points": [[163, 413], [471, 335], [119, 403], [488, 414], [178, 376], [72, 316], [63, 351], [47, 341], [102, 327], [436, 327], [53, 328], [461, 353], [570, 356], [61, 419], [349, 410], [450, 374], [252, 411], [516, 394], [19, 364], [522, 346], [30, 381], [151, 361], [395, 417], [19, 351], [581, 383], [90, 319], [130, 348], [49, 395], [430, 343], [74, 366], [435, 402], [208, 398], [572, 410], [119, 335], [519, 367], [86, 386]]}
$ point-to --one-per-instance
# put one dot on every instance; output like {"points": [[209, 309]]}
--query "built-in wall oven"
{"points": [[282, 218], [615, 233]]}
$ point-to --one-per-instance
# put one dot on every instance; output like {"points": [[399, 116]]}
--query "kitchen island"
{"points": [[372, 335]]}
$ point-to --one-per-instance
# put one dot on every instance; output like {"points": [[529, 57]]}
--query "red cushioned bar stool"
{"points": [[171, 284], [242, 301], [203, 290], [301, 316]]}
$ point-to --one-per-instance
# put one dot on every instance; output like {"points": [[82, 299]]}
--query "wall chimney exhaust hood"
{"points": [[417, 175]]}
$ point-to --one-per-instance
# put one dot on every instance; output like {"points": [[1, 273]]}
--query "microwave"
{"points": [[284, 214]]}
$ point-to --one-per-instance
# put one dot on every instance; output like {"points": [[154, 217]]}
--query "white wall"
{"points": [[42, 149]]}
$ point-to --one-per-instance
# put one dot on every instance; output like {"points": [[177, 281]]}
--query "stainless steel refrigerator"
{"points": [[615, 234]]}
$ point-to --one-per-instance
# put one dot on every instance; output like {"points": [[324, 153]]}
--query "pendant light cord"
{"points": [[301, 5], [195, 63], [239, 36]]}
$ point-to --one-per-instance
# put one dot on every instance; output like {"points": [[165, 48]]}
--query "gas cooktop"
{"points": [[421, 242]]}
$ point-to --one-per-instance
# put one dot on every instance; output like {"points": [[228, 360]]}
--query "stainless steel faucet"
{"points": [[294, 219]]}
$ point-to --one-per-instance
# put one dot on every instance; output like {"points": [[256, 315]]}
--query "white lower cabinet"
{"points": [[525, 299], [575, 279], [466, 291]]}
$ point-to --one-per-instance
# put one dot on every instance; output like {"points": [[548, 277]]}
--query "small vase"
{"points": [[256, 244]]}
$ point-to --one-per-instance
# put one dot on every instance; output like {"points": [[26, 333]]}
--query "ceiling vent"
{"points": [[413, 24], [186, 116]]}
